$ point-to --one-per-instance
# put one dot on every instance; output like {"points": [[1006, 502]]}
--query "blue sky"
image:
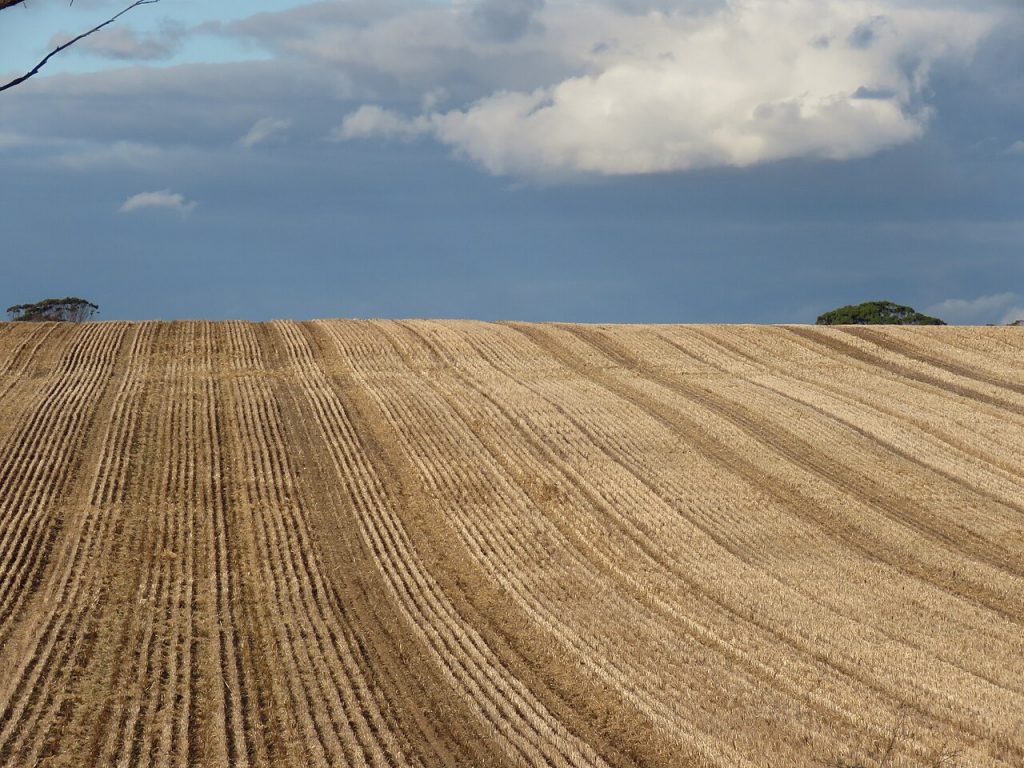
{"points": [[610, 161]]}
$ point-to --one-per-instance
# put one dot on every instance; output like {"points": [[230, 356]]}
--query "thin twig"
{"points": [[69, 43], [898, 733]]}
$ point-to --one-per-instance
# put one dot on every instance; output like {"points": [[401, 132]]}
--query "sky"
{"points": [[755, 161]]}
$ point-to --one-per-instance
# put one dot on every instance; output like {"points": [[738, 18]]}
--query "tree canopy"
{"points": [[70, 309], [877, 313]]}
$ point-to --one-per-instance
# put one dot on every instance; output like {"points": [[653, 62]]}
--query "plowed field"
{"points": [[355, 543]]}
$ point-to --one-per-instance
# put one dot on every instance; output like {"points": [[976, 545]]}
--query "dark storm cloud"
{"points": [[865, 35], [306, 227], [874, 93], [507, 20]]}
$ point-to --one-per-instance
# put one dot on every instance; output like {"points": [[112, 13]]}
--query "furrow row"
{"points": [[53, 649], [522, 723], [336, 700], [147, 718], [877, 407], [41, 459], [950, 512], [872, 523], [670, 409], [629, 547]]}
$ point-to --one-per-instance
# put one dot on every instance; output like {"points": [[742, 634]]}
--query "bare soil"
{"points": [[434, 543]]}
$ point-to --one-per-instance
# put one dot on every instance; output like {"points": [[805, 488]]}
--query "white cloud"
{"points": [[126, 44], [1014, 315], [434, 98], [983, 309], [550, 89], [1017, 148], [664, 87], [371, 121], [263, 130], [162, 199], [83, 156]]}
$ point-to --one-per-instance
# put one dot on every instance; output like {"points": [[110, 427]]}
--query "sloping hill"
{"points": [[456, 543]]}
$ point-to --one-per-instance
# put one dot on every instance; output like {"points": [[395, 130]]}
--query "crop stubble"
{"points": [[458, 543]]}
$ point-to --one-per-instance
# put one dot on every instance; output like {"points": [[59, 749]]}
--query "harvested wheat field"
{"points": [[348, 543]]}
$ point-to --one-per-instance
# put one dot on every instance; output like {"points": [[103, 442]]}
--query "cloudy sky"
{"points": [[598, 160]]}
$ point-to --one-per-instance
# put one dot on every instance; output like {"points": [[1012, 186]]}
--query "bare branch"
{"points": [[69, 43]]}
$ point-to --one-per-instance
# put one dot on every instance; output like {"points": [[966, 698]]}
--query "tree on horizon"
{"points": [[70, 309], [877, 313]]}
